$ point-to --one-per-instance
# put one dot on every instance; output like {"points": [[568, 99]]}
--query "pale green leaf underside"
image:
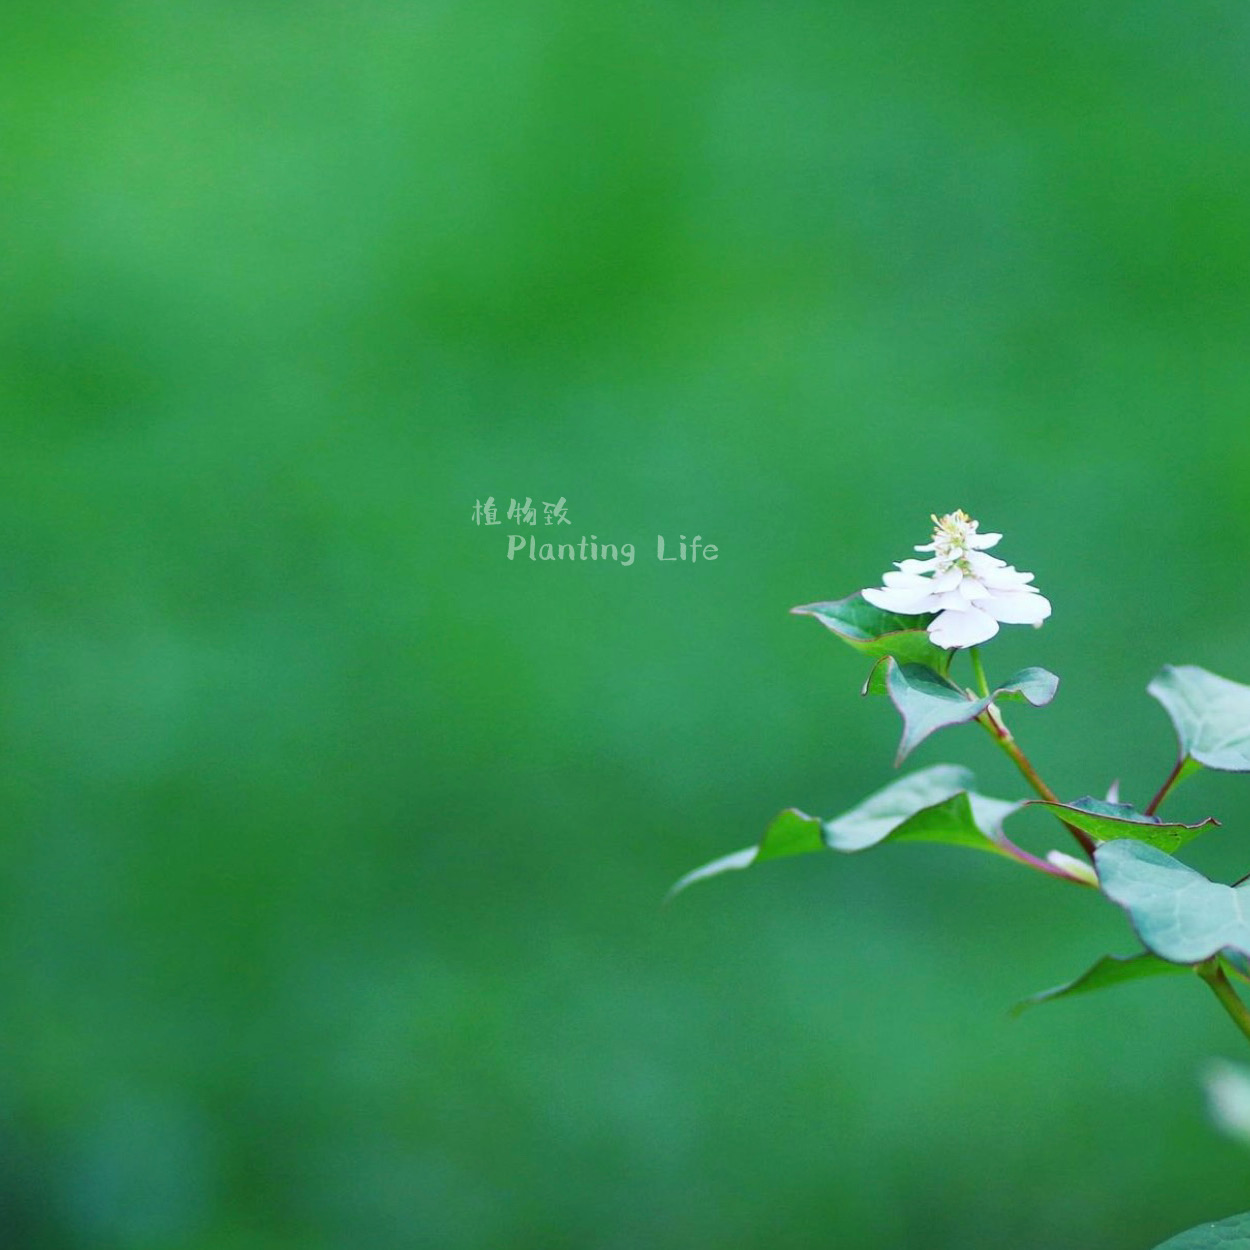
{"points": [[1230, 1234], [933, 805], [1177, 912], [1211, 715], [1237, 964], [1108, 971], [1105, 822], [928, 702], [876, 633]]}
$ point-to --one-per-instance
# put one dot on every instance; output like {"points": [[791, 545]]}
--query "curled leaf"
{"points": [[933, 805], [877, 633], [1105, 822], [928, 702], [1108, 971]]}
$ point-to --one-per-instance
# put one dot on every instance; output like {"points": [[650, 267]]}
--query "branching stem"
{"points": [[1172, 778], [1215, 977], [1051, 870], [992, 720]]}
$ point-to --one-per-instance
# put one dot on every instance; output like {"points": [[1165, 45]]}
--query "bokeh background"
{"points": [[335, 842]]}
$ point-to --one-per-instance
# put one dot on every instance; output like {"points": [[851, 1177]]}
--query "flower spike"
{"points": [[971, 592]]}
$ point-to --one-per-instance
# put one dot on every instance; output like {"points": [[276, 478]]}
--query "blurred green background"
{"points": [[336, 841]]}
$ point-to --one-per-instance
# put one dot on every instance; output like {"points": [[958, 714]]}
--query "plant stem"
{"points": [[1214, 976], [1024, 764], [978, 670], [992, 719], [1172, 778], [1022, 856]]}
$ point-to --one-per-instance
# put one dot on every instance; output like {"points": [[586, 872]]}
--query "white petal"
{"points": [[981, 541], [962, 629], [1017, 607], [981, 564], [972, 590], [906, 602], [952, 601], [916, 566], [1006, 578], [940, 583], [907, 581]]}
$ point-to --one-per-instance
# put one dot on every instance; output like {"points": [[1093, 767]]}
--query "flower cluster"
{"points": [[971, 592]]}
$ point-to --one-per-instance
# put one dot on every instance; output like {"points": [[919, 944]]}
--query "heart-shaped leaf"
{"points": [[928, 702], [1230, 1234], [1211, 715], [1105, 822], [932, 805], [1177, 912], [877, 633], [1109, 970]]}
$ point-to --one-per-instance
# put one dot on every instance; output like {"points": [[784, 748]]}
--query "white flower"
{"points": [[971, 592]]}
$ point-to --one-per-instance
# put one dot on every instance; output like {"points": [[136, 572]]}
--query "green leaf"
{"points": [[792, 832], [1237, 964], [876, 633], [1177, 912], [1034, 685], [1105, 822], [1211, 715], [1109, 970], [1230, 1234], [928, 702], [932, 805]]}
